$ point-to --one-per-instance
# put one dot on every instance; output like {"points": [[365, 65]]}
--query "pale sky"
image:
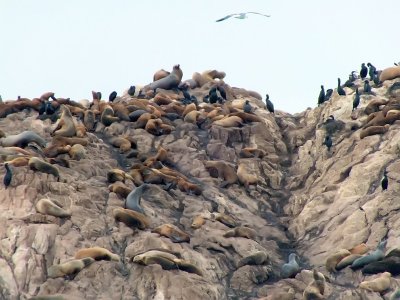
{"points": [[76, 46]]}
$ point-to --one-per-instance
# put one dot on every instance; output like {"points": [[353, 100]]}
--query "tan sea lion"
{"points": [[359, 249], [221, 169], [97, 253], [232, 121], [120, 189], [334, 258], [160, 74], [77, 152], [169, 82], [39, 165], [347, 261], [174, 233], [257, 258], [131, 218], [65, 125], [241, 231], [389, 73], [379, 284], [224, 219], [198, 221], [19, 161], [55, 149], [373, 105], [117, 175], [316, 289], [69, 268], [245, 177], [374, 130], [250, 152], [53, 208], [62, 141]]}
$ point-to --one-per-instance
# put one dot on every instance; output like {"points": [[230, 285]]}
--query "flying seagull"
{"points": [[241, 16]]}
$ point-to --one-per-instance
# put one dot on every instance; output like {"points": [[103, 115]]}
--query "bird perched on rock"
{"points": [[240, 16], [384, 181], [367, 87], [7, 176], [328, 94], [376, 80], [352, 78], [213, 96], [131, 90], [356, 100], [371, 71], [112, 96], [247, 107], [331, 125], [340, 90], [364, 71], [328, 142], [270, 105], [222, 92], [321, 97], [291, 268]]}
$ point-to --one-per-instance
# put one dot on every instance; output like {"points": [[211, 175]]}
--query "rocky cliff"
{"points": [[230, 193]]}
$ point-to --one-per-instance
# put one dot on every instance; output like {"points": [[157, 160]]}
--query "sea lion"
{"points": [[53, 208], [379, 284], [376, 255], [372, 130], [334, 258], [290, 269], [122, 143], [80, 129], [245, 177], [89, 120], [232, 121], [97, 253], [187, 267], [316, 289], [69, 268], [188, 187], [20, 161], [55, 297], [388, 264], [55, 149], [107, 116], [373, 105], [131, 218], [172, 232], [153, 126], [134, 116], [250, 152], [347, 261], [389, 73], [224, 219], [241, 231], [39, 165], [171, 81], [22, 140], [65, 125], [112, 96], [120, 189], [257, 258], [160, 74], [77, 152], [117, 175], [246, 117], [221, 169], [8, 176], [165, 259], [47, 95], [132, 201], [198, 221], [62, 141], [395, 295], [280, 295]]}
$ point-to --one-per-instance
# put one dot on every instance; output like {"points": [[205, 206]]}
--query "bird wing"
{"points": [[226, 17], [253, 12]]}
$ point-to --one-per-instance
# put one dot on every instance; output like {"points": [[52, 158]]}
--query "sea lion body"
{"points": [[97, 253], [377, 255], [241, 231], [107, 116], [333, 259], [388, 264], [131, 218], [172, 80], [120, 189], [257, 258], [252, 152], [347, 261], [77, 152], [291, 268], [160, 74], [44, 167], [316, 289], [359, 249], [389, 73], [245, 177], [69, 268], [55, 149], [65, 125], [132, 201], [198, 221], [89, 119], [222, 170], [48, 207], [379, 284], [374, 130], [232, 121], [174, 233], [22, 140]]}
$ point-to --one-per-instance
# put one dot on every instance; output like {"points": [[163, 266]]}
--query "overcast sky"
{"points": [[73, 47]]}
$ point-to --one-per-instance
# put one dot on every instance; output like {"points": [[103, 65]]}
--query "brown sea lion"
{"points": [[224, 219], [173, 233], [131, 218], [245, 177], [122, 143], [54, 150], [221, 169], [334, 258], [198, 221], [69, 268], [39, 165], [97, 253], [246, 117], [389, 73], [189, 108], [153, 126], [189, 187], [121, 111], [316, 289], [19, 161], [117, 175], [47, 95], [107, 116], [373, 105], [89, 119], [257, 258], [160, 74], [232, 121], [359, 249], [77, 152], [379, 284], [143, 119], [241, 231], [169, 82], [65, 124], [62, 141], [250, 152], [52, 208], [374, 130], [120, 189]]}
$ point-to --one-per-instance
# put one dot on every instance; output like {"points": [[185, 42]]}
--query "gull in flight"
{"points": [[241, 16]]}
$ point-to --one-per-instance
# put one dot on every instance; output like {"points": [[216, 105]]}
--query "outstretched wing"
{"points": [[253, 12], [226, 17]]}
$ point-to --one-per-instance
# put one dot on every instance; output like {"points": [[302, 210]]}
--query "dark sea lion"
{"points": [[169, 82], [132, 201], [8, 176], [290, 269], [133, 116], [39, 165], [376, 255], [372, 130], [22, 139], [388, 264]]}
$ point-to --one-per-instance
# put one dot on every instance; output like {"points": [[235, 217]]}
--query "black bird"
{"points": [[49, 108], [206, 99], [131, 90], [213, 97], [321, 97], [99, 95], [371, 71], [376, 80], [367, 87], [328, 142], [384, 181], [340, 90], [270, 105], [356, 100], [247, 107], [328, 94], [112, 96], [222, 92], [42, 108], [364, 71], [8, 176]]}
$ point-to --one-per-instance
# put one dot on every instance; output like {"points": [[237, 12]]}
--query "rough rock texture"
{"points": [[307, 200]]}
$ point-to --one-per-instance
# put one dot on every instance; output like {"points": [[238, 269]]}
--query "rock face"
{"points": [[306, 200]]}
